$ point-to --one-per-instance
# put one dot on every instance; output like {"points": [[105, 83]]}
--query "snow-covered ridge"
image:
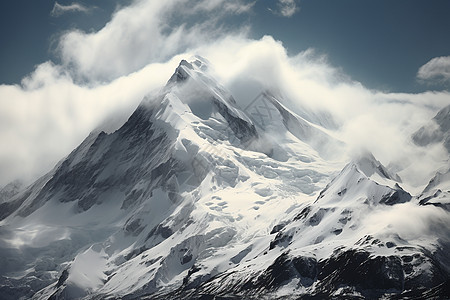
{"points": [[435, 131], [279, 116], [363, 180], [437, 192]]}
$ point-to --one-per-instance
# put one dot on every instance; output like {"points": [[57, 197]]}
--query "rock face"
{"points": [[197, 198]]}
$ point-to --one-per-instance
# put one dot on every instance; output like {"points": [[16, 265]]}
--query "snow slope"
{"points": [[437, 192], [195, 196]]}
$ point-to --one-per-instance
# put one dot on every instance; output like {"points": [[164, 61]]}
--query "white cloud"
{"points": [[51, 112], [145, 32], [377, 121], [60, 9], [410, 222], [49, 115], [286, 8], [437, 68]]}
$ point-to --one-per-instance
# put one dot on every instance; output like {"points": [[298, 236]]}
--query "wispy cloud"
{"points": [[437, 69], [286, 8], [227, 6], [60, 9]]}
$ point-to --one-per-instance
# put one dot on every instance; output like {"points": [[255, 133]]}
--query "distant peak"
{"points": [[442, 118], [444, 112], [369, 165], [435, 131]]}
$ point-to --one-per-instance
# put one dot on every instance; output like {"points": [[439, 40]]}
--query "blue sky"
{"points": [[380, 69], [29, 32], [379, 43]]}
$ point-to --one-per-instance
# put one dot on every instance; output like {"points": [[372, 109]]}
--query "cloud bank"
{"points": [[146, 32], [376, 121], [105, 74]]}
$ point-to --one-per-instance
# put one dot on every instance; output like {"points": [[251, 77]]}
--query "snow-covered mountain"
{"points": [[10, 190], [435, 131], [196, 198], [437, 192]]}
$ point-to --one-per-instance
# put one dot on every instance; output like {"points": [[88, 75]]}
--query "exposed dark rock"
{"points": [[438, 292], [191, 271], [307, 268], [7, 208], [342, 192], [279, 272], [277, 228], [337, 231], [396, 197], [317, 217], [243, 130], [164, 231], [390, 244], [281, 239], [358, 269], [187, 257], [302, 215], [62, 278]]}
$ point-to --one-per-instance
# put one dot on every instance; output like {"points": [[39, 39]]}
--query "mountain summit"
{"points": [[435, 131], [196, 198]]}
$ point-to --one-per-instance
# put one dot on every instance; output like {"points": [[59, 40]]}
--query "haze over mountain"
{"points": [[178, 151], [101, 71], [194, 197]]}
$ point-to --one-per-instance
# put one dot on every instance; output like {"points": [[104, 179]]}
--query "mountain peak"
{"points": [[435, 131], [443, 118], [180, 73], [180, 202], [366, 179], [370, 166]]}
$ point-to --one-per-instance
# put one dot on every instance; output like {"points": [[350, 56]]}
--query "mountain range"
{"points": [[195, 197]]}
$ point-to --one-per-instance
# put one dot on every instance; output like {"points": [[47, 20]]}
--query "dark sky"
{"points": [[379, 43]]}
